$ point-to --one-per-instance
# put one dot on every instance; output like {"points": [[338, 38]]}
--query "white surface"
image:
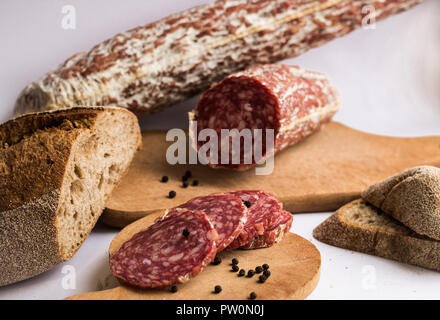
{"points": [[389, 80]]}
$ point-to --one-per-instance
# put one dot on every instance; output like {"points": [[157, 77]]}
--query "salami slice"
{"points": [[289, 100], [226, 212], [264, 210], [273, 234], [170, 251]]}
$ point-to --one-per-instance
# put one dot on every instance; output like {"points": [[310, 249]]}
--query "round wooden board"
{"points": [[295, 265]]}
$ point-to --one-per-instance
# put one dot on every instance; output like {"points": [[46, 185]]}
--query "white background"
{"points": [[389, 80]]}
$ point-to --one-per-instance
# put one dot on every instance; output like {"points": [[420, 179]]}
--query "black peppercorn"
{"points": [[235, 268], [217, 289], [262, 278], [235, 261], [253, 296], [265, 266], [185, 185], [172, 194], [195, 183], [164, 179], [184, 178], [185, 233], [217, 261], [247, 203], [266, 273], [241, 273], [250, 273], [173, 289], [259, 269], [188, 174]]}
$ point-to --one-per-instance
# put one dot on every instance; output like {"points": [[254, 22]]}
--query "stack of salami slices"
{"points": [[185, 239]]}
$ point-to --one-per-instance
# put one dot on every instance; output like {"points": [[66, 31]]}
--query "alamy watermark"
{"points": [[68, 21], [369, 20], [369, 280], [227, 147], [68, 282]]}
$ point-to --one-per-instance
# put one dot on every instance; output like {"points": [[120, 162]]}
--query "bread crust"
{"points": [[412, 197], [402, 245], [35, 151]]}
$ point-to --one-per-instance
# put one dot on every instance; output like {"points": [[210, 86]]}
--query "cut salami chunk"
{"points": [[273, 234], [264, 210], [170, 251], [226, 212], [291, 101]]}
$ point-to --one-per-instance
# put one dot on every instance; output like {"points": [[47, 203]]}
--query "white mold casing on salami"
{"points": [[162, 63]]}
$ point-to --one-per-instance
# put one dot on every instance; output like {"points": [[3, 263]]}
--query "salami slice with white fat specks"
{"points": [[288, 100], [170, 251], [273, 234], [264, 209], [226, 212]]}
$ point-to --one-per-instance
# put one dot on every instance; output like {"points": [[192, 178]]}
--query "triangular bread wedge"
{"points": [[361, 227], [56, 171], [412, 197]]}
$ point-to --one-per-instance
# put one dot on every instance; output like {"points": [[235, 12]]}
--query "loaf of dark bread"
{"points": [[56, 171]]}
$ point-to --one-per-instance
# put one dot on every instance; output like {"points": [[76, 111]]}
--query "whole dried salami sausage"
{"points": [[150, 67], [226, 212], [263, 211], [273, 234], [289, 100], [170, 251]]}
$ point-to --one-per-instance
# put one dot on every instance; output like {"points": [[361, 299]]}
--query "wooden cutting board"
{"points": [[321, 173], [294, 262]]}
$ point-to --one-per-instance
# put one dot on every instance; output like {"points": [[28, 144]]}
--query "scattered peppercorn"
{"points": [[184, 178], [253, 296], [195, 183], [217, 261], [173, 289], [262, 278], [266, 273], [235, 261], [259, 269], [164, 179], [235, 268], [241, 273], [247, 203], [265, 266], [250, 273], [217, 289], [188, 174], [172, 194], [185, 233], [185, 185]]}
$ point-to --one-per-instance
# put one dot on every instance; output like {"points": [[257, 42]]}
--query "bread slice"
{"points": [[361, 227], [412, 197], [56, 170]]}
